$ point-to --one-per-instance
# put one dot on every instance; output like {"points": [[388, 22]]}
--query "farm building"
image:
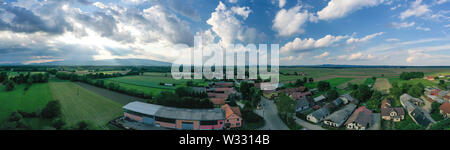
{"points": [[302, 104], [320, 98], [339, 117], [175, 118], [444, 109], [396, 114], [318, 115], [347, 98], [360, 119]]}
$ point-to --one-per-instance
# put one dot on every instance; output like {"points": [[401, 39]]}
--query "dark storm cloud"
{"points": [[24, 20]]}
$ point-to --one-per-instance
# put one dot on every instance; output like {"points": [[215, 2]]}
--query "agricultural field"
{"points": [[13, 74], [80, 104], [382, 84], [32, 100], [150, 82]]}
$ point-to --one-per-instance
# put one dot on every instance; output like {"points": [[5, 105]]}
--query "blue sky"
{"points": [[309, 32]]}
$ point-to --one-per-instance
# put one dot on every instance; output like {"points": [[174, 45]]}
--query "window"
{"points": [[209, 122], [237, 119]]}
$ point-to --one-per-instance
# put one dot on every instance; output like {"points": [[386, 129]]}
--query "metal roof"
{"points": [[144, 108]]}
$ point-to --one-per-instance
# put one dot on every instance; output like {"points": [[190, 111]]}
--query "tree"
{"points": [[323, 86], [311, 80], [183, 91], [51, 110], [9, 85], [285, 106], [245, 90], [189, 83], [299, 82], [58, 123], [377, 95], [363, 93], [415, 91], [15, 116], [3, 76], [83, 125], [332, 94]]}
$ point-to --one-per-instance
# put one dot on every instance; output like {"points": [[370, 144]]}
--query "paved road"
{"points": [[307, 125], [269, 112]]}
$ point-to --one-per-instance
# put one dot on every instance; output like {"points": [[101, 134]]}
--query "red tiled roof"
{"points": [[217, 101], [231, 110], [445, 107]]}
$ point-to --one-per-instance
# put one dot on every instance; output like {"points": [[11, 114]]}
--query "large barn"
{"points": [[175, 118]]}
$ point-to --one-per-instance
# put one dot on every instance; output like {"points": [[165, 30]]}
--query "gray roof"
{"points": [[349, 98], [199, 89], [302, 103], [320, 113], [321, 97], [191, 114], [405, 101], [340, 116], [144, 108], [176, 113], [338, 102]]}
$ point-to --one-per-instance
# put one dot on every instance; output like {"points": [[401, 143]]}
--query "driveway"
{"points": [[307, 125], [269, 113]]}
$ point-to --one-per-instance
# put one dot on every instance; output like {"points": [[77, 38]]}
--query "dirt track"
{"points": [[115, 96]]}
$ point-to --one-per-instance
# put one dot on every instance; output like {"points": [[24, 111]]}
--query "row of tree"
{"points": [[411, 75], [183, 97]]}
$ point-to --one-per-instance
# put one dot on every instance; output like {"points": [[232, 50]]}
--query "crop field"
{"points": [[32, 100], [328, 73], [382, 84], [80, 104], [333, 82]]}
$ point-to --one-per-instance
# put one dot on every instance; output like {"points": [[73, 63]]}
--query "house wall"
{"points": [[195, 123], [312, 119], [234, 120], [165, 124]]}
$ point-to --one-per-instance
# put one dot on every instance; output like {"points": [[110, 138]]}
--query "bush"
{"points": [[83, 125], [323, 86], [51, 110], [9, 85], [27, 114], [58, 123], [15, 116]]}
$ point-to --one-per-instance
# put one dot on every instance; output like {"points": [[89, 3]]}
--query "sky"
{"points": [[309, 32]]}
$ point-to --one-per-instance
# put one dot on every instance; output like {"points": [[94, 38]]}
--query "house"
{"points": [[218, 99], [298, 95], [396, 114], [338, 118], [233, 117], [435, 99], [444, 109], [320, 98], [447, 98], [302, 104], [361, 119], [385, 103], [348, 99], [443, 93], [420, 117], [338, 102], [293, 90], [431, 78], [270, 94], [318, 115]]}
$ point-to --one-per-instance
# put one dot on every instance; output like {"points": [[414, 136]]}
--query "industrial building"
{"points": [[175, 118]]}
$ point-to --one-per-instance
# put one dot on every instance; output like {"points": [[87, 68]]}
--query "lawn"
{"points": [[32, 100], [150, 82], [79, 104]]}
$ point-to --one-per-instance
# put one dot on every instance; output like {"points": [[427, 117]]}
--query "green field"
{"points": [[32, 100], [333, 82], [79, 104], [150, 82]]}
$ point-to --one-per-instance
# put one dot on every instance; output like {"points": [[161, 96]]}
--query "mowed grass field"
{"points": [[150, 82], [79, 104], [382, 84], [32, 100]]}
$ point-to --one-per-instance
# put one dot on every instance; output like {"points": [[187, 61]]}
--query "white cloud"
{"points": [[232, 1], [364, 39], [392, 40], [281, 3], [289, 22], [417, 9], [356, 56], [298, 44], [325, 54], [421, 54], [423, 28], [226, 25], [440, 1], [402, 24], [447, 26], [242, 11], [341, 8]]}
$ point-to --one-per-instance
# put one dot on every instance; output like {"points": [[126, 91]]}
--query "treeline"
{"points": [[27, 79], [183, 97], [101, 83], [411, 75]]}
